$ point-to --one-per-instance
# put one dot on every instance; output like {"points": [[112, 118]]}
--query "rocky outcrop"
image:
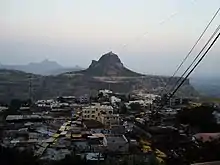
{"points": [[108, 65]]}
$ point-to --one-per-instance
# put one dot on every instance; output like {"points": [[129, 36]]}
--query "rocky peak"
{"points": [[109, 64], [110, 58]]}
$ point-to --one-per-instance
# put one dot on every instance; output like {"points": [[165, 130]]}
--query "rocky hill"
{"points": [[108, 65]]}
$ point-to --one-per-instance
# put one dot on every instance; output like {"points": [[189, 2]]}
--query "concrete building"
{"points": [[116, 143], [109, 119], [105, 92], [101, 113], [84, 99]]}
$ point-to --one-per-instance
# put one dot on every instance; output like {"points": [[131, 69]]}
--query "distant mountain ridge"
{"points": [[207, 86], [110, 65], [46, 67]]}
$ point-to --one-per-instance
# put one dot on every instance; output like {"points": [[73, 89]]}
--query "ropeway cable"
{"points": [[189, 53]]}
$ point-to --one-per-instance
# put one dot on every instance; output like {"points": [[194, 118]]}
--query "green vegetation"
{"points": [[15, 85], [200, 118]]}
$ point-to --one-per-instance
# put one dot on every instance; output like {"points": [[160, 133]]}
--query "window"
{"points": [[93, 116], [93, 111], [107, 118], [88, 116], [96, 109], [84, 116]]}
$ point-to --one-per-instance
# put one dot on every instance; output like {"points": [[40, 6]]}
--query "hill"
{"points": [[108, 65], [45, 67], [15, 84], [64, 70]]}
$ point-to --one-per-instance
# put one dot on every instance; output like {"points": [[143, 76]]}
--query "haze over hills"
{"points": [[46, 67], [207, 86], [106, 73]]}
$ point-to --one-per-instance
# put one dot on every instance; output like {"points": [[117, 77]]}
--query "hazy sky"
{"points": [[150, 36]]}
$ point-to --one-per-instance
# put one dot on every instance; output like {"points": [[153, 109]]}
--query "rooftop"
{"points": [[22, 117], [208, 163], [207, 136], [94, 156], [116, 138]]}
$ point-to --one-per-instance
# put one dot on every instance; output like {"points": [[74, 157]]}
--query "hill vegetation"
{"points": [[107, 72]]}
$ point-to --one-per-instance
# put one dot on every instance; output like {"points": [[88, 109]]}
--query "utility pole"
{"points": [[30, 88]]}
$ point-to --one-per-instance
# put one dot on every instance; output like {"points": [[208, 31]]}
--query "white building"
{"points": [[105, 92], [141, 102], [114, 100]]}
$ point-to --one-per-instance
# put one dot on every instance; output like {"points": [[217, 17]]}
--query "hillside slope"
{"points": [[107, 73]]}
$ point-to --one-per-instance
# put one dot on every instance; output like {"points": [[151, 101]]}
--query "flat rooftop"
{"points": [[22, 117], [116, 138]]}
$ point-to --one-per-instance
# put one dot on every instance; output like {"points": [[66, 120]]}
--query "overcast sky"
{"points": [[150, 36]]}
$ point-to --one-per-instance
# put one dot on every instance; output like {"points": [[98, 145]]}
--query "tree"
{"points": [[15, 157], [135, 106], [100, 95], [14, 106], [199, 117], [122, 108]]}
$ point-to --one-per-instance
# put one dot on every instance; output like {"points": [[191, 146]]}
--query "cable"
{"points": [[213, 42], [174, 91], [178, 68], [142, 35], [218, 28]]}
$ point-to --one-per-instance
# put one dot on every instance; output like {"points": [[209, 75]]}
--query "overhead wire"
{"points": [[177, 82], [191, 50], [202, 57], [142, 35]]}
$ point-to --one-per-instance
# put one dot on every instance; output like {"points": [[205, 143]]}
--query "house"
{"points": [[208, 163], [94, 157], [109, 119], [207, 137], [116, 143], [114, 100], [84, 99], [105, 92]]}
